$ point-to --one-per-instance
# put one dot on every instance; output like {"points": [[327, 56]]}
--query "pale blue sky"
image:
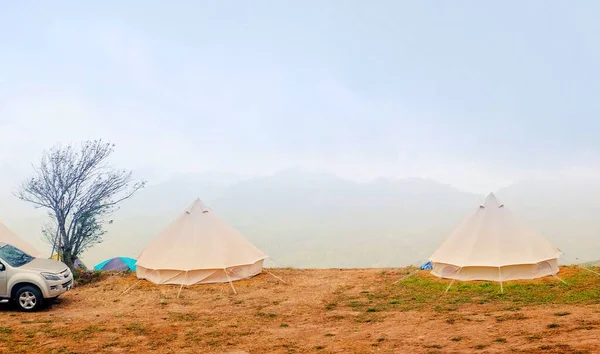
{"points": [[468, 93]]}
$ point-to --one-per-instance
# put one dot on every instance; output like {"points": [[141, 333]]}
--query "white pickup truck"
{"points": [[31, 282]]}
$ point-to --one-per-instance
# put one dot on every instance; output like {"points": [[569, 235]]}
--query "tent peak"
{"points": [[492, 201], [197, 205]]}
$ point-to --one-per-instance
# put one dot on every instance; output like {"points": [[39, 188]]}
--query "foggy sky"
{"points": [[470, 94]]}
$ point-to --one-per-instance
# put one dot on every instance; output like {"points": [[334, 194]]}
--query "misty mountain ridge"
{"points": [[304, 219]]}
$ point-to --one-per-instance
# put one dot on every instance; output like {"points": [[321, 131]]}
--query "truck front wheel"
{"points": [[29, 298]]}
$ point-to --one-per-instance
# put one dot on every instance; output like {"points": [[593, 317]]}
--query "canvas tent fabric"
{"points": [[117, 263], [7, 236], [199, 247], [494, 244]]}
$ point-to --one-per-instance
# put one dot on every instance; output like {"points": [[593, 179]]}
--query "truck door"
{"points": [[3, 281]]}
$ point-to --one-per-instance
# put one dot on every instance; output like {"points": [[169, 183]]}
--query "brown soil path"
{"points": [[319, 311]]}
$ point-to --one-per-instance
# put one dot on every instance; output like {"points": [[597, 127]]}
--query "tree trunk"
{"points": [[68, 259], [64, 247]]}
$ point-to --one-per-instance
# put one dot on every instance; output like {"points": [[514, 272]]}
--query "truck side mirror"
{"points": [[2, 267]]}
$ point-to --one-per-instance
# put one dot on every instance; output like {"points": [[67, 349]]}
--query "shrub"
{"points": [[84, 277]]}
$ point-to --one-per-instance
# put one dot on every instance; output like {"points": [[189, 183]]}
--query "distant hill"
{"points": [[300, 219], [320, 220], [595, 263]]}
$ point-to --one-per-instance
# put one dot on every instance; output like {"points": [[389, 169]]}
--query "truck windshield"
{"points": [[14, 256]]}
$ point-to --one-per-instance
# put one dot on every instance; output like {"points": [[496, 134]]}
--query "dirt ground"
{"points": [[316, 311]]}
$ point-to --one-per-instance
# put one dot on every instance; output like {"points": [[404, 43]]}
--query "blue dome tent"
{"points": [[117, 263], [427, 266]]}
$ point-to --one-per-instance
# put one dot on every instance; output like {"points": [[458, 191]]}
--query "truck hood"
{"points": [[45, 265]]}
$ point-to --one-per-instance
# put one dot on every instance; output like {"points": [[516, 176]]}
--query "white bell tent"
{"points": [[7, 236], [199, 247], [493, 244]]}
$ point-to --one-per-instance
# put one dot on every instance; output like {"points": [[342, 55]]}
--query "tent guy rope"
{"points": [[230, 282], [274, 276], [131, 287], [181, 287], [407, 276]]}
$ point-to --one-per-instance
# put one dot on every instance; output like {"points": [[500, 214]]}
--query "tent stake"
{"points": [[500, 279], [230, 282]]}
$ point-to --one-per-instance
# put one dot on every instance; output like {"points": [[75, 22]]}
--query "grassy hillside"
{"points": [[317, 311]]}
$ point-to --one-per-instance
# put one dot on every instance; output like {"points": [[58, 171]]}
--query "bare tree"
{"points": [[50, 235], [80, 190]]}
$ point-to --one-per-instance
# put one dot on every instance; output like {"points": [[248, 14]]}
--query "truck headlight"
{"points": [[50, 276]]}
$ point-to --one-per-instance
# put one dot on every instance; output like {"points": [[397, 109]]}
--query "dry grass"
{"points": [[320, 311]]}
